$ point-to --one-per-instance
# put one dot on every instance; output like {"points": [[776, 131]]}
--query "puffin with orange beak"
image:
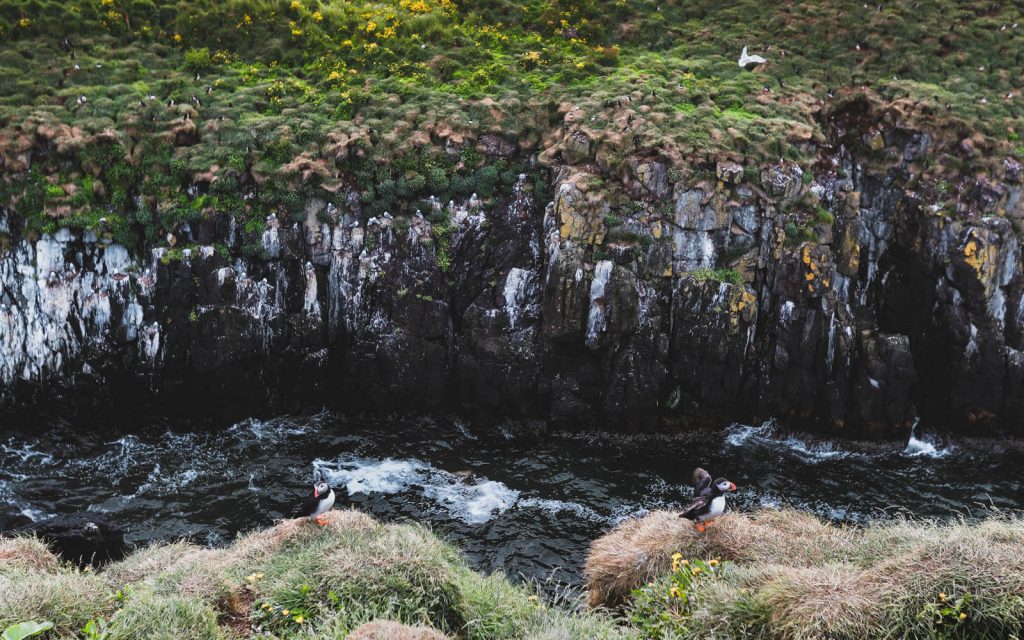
{"points": [[319, 503], [708, 499]]}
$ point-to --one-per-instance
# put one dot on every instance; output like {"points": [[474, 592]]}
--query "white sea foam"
{"points": [[555, 507], [765, 435], [925, 446], [473, 501]]}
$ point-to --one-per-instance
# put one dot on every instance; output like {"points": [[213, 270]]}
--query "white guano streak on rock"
{"points": [[597, 319], [55, 310]]}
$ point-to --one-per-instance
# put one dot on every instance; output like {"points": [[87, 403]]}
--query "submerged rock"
{"points": [[81, 538]]}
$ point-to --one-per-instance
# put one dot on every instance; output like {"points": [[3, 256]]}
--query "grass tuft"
{"points": [[788, 575]]}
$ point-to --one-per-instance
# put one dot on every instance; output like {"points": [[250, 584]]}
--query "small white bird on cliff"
{"points": [[748, 62]]}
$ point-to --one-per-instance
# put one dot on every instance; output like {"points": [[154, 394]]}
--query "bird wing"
{"points": [[700, 480], [696, 505], [306, 507]]}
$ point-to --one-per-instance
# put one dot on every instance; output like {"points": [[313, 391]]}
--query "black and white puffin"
{"points": [[318, 504], [708, 498]]}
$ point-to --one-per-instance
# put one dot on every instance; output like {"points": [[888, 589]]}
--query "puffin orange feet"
{"points": [[321, 520], [700, 527]]}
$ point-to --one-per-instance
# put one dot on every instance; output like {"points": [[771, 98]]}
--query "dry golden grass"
{"points": [[795, 577], [388, 630], [632, 554], [26, 553], [640, 549], [834, 600], [265, 542]]}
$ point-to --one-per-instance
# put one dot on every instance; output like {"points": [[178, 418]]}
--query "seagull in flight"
{"points": [[749, 62]]}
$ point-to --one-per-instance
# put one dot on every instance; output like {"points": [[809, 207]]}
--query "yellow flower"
{"points": [[532, 598], [371, 26], [247, 19], [296, 32], [686, 563], [677, 556], [419, 7], [299, 619], [674, 592], [713, 563], [319, 17], [265, 606], [963, 616], [176, 37], [697, 570], [296, 5], [260, 574], [942, 596], [286, 612], [24, 22]]}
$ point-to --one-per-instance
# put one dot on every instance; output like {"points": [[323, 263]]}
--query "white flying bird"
{"points": [[749, 62]]}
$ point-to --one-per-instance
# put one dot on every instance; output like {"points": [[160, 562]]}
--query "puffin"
{"points": [[318, 504], [708, 498]]}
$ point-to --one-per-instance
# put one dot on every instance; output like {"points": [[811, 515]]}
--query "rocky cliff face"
{"points": [[837, 297]]}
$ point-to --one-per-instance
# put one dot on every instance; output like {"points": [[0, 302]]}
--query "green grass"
{"points": [[295, 96], [730, 276], [772, 575], [788, 575], [293, 580]]}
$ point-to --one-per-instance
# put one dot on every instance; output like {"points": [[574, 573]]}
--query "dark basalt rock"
{"points": [[11, 518], [81, 538], [881, 307]]}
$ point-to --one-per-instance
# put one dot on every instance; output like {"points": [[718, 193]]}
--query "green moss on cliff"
{"points": [[265, 104]]}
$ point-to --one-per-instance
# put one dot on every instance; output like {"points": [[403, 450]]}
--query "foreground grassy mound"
{"points": [[354, 578], [785, 574]]}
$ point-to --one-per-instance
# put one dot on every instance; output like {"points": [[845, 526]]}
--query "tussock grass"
{"points": [[24, 553], [789, 575], [388, 630], [354, 578], [66, 597]]}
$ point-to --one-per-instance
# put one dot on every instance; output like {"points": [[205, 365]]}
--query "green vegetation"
{"points": [[25, 630], [786, 574], [730, 276], [772, 575], [293, 580], [262, 104]]}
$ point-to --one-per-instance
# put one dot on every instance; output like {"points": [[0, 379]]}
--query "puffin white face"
{"points": [[724, 485], [320, 489]]}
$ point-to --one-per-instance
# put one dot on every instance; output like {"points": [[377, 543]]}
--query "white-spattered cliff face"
{"points": [[60, 294]]}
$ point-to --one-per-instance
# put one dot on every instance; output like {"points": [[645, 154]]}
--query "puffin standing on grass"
{"points": [[318, 504], [708, 499]]}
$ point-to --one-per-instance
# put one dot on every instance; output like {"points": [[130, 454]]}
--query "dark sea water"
{"points": [[512, 499]]}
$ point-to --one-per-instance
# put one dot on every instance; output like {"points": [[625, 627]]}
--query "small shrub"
{"points": [[197, 60], [730, 276], [664, 607]]}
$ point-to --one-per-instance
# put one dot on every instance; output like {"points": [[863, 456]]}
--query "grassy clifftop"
{"points": [[788, 575], [773, 575], [264, 104], [294, 580]]}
